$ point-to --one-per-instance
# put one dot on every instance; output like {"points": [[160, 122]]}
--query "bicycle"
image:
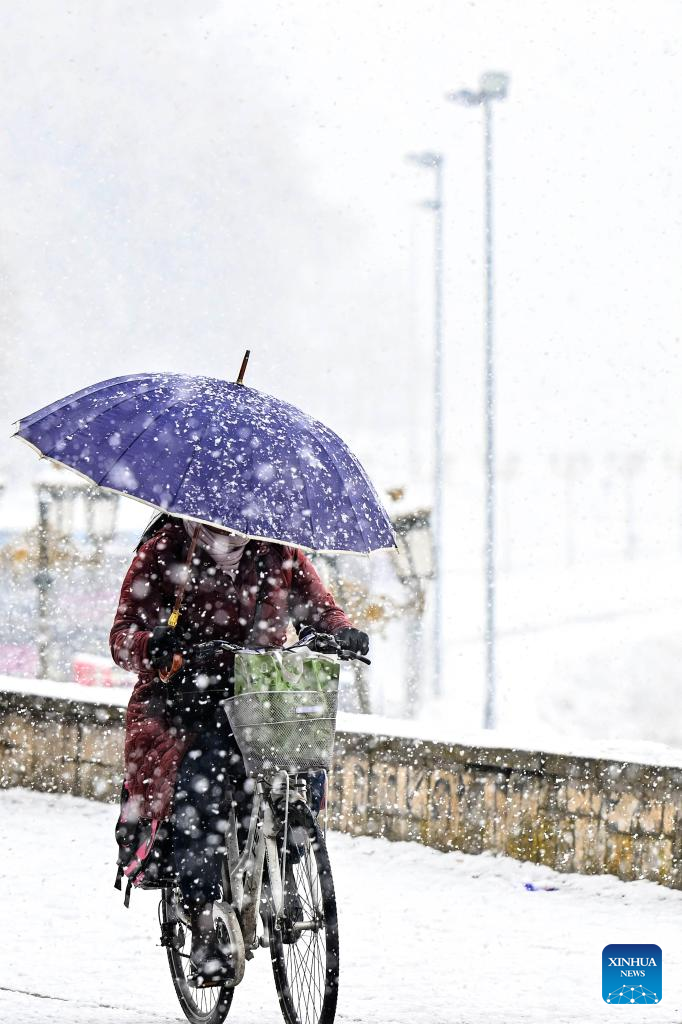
{"points": [[278, 890]]}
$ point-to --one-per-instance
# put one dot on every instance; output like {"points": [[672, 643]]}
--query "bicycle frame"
{"points": [[243, 872]]}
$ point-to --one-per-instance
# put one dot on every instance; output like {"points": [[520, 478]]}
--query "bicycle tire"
{"points": [[295, 963], [199, 1005]]}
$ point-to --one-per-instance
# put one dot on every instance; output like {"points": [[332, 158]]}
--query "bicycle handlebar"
{"points": [[320, 643], [326, 643]]}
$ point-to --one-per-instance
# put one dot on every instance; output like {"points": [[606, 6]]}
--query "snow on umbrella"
{"points": [[217, 452]]}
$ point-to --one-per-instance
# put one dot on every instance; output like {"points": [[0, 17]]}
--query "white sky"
{"points": [[180, 181]]}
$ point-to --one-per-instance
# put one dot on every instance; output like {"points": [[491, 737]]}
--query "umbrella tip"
{"points": [[242, 369]]}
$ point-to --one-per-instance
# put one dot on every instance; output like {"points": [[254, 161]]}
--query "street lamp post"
{"points": [[493, 86], [43, 582], [413, 560], [435, 161], [56, 501], [57, 505], [101, 508]]}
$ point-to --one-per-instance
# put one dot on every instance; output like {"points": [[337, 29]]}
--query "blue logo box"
{"points": [[631, 973]]}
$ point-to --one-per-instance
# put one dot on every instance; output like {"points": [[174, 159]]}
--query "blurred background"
{"points": [[181, 182]]}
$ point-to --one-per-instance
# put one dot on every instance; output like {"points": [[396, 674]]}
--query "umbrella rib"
{"points": [[307, 495], [28, 421], [75, 433], [330, 456], [368, 483], [134, 440], [207, 424]]}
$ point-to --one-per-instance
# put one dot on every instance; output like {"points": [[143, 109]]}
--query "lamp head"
{"points": [[425, 159], [414, 554], [465, 96], [494, 85]]}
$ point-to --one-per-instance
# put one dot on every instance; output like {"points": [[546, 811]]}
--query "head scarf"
{"points": [[225, 549]]}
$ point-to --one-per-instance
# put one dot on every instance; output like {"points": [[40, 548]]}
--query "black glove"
{"points": [[305, 633], [322, 643], [162, 644], [352, 640]]}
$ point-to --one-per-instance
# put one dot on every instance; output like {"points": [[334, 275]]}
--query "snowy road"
{"points": [[427, 938]]}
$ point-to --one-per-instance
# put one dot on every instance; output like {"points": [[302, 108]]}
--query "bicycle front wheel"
{"points": [[304, 945]]}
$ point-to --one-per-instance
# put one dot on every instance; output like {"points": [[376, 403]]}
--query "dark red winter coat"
{"points": [[214, 608]]}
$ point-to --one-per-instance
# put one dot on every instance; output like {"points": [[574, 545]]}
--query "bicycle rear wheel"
{"points": [[304, 948], [199, 1005]]}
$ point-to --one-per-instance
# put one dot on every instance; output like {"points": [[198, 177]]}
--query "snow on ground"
{"points": [[426, 937]]}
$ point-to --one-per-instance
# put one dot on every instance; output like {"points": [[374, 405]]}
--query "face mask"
{"points": [[224, 548]]}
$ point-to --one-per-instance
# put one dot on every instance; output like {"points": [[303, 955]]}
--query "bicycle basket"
{"points": [[279, 730]]}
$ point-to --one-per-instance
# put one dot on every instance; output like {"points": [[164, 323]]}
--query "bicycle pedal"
{"points": [[170, 937]]}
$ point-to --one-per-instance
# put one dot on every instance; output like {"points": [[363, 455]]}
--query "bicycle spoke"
{"points": [[308, 979], [308, 970]]}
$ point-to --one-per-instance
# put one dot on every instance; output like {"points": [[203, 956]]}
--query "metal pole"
{"points": [[435, 161], [489, 717], [437, 531], [414, 639], [43, 581], [494, 85]]}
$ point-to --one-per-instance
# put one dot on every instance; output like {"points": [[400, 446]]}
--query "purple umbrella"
{"points": [[217, 452]]}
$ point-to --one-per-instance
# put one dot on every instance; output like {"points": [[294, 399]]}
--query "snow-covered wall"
{"points": [[571, 812]]}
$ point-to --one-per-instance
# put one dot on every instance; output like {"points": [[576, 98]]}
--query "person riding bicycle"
{"points": [[180, 757]]}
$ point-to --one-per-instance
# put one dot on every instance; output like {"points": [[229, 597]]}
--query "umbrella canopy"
{"points": [[217, 452]]}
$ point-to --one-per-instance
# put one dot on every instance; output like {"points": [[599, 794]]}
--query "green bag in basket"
{"points": [[284, 671]]}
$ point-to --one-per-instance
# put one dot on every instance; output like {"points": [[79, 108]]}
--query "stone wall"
{"points": [[572, 813], [60, 745]]}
